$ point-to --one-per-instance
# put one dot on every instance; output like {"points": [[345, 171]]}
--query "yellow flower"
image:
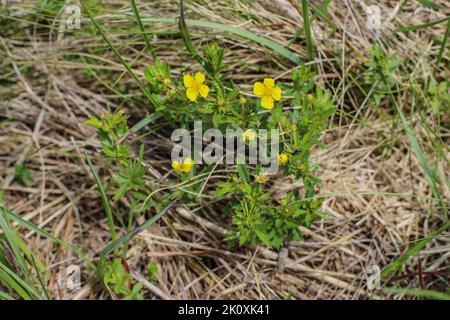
{"points": [[268, 91], [261, 179], [184, 166], [282, 159], [310, 97], [194, 86], [249, 135]]}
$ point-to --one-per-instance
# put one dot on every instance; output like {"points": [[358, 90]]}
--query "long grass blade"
{"points": [[419, 293], [184, 32], [114, 245], [121, 59], [307, 28], [421, 26], [105, 200], [32, 227], [443, 45], [431, 181], [145, 121], [12, 241], [242, 33], [141, 27], [397, 264]]}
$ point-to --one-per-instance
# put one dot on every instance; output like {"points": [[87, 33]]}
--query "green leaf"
{"points": [[141, 27], [186, 37], [105, 200], [23, 174], [419, 293], [430, 4], [94, 122], [307, 28], [114, 245], [421, 26], [223, 189], [120, 57], [263, 237], [243, 172], [145, 121]]}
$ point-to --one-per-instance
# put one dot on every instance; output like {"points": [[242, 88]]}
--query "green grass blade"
{"points": [[420, 157], [421, 26], [307, 27], [430, 178], [141, 27], [121, 59], [279, 49], [145, 121], [12, 241], [397, 264], [430, 4], [24, 288], [41, 280], [114, 245], [419, 293], [184, 32], [13, 285], [105, 200], [243, 172], [443, 45], [5, 296], [47, 235]]}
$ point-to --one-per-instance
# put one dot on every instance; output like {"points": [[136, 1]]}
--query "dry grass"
{"points": [[376, 194]]}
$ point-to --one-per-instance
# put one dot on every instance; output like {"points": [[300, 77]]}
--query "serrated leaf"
{"points": [[94, 122]]}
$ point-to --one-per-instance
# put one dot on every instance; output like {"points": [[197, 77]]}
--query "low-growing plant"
{"points": [[440, 96], [299, 109], [23, 174], [120, 281], [22, 274], [381, 72]]}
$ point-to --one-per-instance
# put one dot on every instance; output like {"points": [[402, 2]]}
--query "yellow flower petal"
{"points": [[192, 94], [188, 81], [261, 179], [258, 89], [176, 165], [187, 165], [203, 90], [269, 82], [276, 93], [282, 159], [267, 102], [199, 77]]}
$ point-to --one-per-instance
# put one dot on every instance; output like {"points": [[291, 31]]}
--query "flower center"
{"points": [[196, 86], [268, 91]]}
